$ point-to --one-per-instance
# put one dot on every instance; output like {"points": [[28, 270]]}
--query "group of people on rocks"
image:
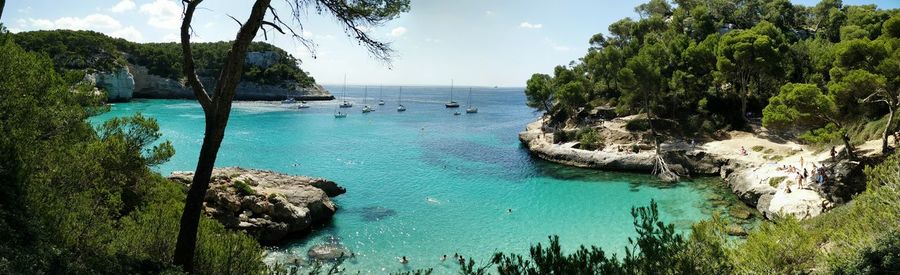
{"points": [[819, 173]]}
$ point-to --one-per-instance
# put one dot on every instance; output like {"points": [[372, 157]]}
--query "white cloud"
{"points": [[488, 13], [164, 14], [307, 34], [530, 25], [398, 31], [123, 6], [128, 33], [172, 38], [95, 22]]}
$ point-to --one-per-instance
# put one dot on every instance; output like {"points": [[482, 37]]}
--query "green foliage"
{"points": [[589, 139], [706, 65], [243, 188], [881, 258], [637, 125], [775, 181], [656, 250], [87, 50], [799, 105], [757, 148], [784, 247], [76, 200]]}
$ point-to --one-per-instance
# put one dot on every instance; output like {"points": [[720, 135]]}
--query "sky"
{"points": [[471, 42]]}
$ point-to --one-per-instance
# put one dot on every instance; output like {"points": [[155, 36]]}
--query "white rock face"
{"points": [[119, 84], [261, 59]]}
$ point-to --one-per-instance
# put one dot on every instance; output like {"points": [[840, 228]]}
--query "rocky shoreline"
{"points": [[267, 205], [134, 81], [756, 181]]}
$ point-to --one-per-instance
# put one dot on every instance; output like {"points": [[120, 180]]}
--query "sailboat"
{"points": [[366, 107], [290, 100], [303, 105], [345, 104], [472, 109], [451, 104], [339, 114], [380, 93], [400, 107]]}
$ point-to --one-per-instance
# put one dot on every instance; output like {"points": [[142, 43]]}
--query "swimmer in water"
{"points": [[509, 210], [444, 258], [403, 260]]}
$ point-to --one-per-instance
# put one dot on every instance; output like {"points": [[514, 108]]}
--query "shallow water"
{"points": [[425, 183]]}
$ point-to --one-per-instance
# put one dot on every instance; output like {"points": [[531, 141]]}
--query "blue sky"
{"points": [[474, 42]]}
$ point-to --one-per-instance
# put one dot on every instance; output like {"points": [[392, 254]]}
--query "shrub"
{"points": [[757, 148], [589, 139], [637, 125], [243, 188], [775, 181]]}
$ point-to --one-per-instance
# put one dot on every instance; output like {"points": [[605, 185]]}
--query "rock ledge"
{"points": [[269, 206]]}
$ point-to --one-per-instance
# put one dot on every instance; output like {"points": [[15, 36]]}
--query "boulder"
{"points": [[279, 205], [331, 188], [327, 252]]}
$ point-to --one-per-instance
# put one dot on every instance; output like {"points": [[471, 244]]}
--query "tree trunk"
{"points": [[848, 147], [217, 110], [887, 129], [2, 4], [190, 218]]}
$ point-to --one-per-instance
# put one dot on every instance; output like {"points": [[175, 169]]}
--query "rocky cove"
{"points": [[267, 205], [755, 177], [135, 81]]}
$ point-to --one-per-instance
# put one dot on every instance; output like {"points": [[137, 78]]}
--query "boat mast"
{"points": [[344, 89], [451, 90], [469, 101]]}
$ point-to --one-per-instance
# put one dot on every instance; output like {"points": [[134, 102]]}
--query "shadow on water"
{"points": [[372, 213]]}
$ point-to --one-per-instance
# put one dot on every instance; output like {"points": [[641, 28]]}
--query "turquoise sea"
{"points": [[425, 183]]}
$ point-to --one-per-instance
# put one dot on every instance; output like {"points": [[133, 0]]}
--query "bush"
{"points": [[243, 188], [563, 136], [589, 139], [881, 258], [757, 148], [637, 125]]}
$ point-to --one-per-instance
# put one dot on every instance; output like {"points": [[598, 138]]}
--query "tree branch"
{"points": [[189, 69]]}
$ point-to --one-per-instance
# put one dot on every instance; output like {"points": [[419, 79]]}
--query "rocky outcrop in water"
{"points": [[267, 205], [763, 185]]}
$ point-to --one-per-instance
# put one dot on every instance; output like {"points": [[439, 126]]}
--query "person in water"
{"points": [[509, 210], [444, 258], [403, 260]]}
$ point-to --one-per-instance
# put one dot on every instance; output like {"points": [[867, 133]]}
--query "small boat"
{"points": [[456, 113], [303, 105], [400, 107], [289, 101], [451, 104], [366, 108], [345, 104], [471, 109], [339, 114], [380, 93]]}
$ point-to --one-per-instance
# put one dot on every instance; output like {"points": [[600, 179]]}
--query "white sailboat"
{"points": [[471, 108], [366, 108], [380, 95], [451, 104], [339, 114], [345, 103], [303, 105], [400, 107]]}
